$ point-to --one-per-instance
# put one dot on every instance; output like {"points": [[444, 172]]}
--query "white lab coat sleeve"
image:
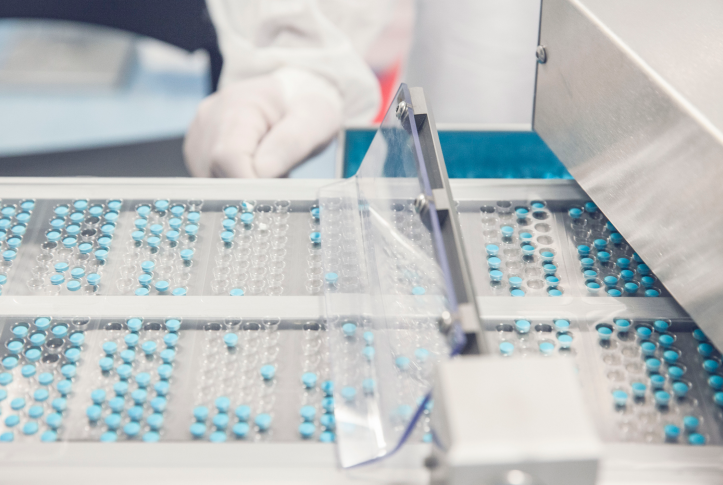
{"points": [[315, 37]]}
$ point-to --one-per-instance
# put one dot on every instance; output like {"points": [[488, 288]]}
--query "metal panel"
{"points": [[629, 100]]}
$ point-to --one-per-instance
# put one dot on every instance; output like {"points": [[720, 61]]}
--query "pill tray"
{"points": [[208, 364]]}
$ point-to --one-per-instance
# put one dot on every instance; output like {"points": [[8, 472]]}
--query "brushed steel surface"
{"points": [[629, 100]]}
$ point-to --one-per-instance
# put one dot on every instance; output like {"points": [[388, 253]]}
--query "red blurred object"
{"points": [[389, 84]]}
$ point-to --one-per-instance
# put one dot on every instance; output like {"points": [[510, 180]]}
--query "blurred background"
{"points": [[109, 88]]}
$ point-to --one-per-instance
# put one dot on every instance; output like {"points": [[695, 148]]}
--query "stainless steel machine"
{"points": [[396, 326]]}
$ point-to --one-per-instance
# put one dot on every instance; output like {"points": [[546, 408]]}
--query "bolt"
{"points": [[541, 54], [401, 109]]}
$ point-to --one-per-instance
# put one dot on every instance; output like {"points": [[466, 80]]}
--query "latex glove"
{"points": [[262, 126]]}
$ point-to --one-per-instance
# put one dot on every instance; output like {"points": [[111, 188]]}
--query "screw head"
{"points": [[541, 54]]}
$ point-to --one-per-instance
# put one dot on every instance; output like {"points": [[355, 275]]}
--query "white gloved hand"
{"points": [[262, 126]]}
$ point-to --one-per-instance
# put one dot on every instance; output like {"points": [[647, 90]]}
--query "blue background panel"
{"points": [[476, 154]]}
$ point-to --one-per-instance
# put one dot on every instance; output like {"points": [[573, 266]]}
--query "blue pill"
{"points": [[676, 372], [93, 279], [631, 288], [547, 348], [561, 324], [620, 398], [696, 439], [583, 250], [652, 365], [496, 275], [671, 356], [93, 412], [124, 371], [12, 420], [165, 371], [690, 423], [131, 340], [139, 396], [643, 332], [589, 275], [117, 404], [590, 207], [549, 269], [507, 231], [368, 386], [198, 430], [718, 398], [527, 250], [217, 437], [149, 347], [647, 348], [155, 421], [705, 349], [151, 437], [168, 355], [368, 337], [240, 430], [307, 430], [186, 254], [421, 354], [657, 381], [647, 281], [161, 205], [328, 388], [108, 437], [161, 388], [268, 371], [327, 437], [506, 348], [97, 396], [110, 348], [600, 244], [113, 421], [28, 370], [6, 378], [17, 404], [603, 256], [638, 389], [128, 356], [328, 421], [627, 275], [20, 331], [604, 333], [57, 279], [15, 346], [699, 335], [143, 379], [309, 380], [614, 292], [492, 249], [348, 393], [666, 340], [521, 213], [328, 404], [132, 429], [552, 291], [243, 412], [193, 216], [200, 413], [662, 398], [236, 292], [77, 338], [263, 421], [587, 263], [44, 379], [220, 421], [54, 420], [158, 404], [402, 362], [349, 329], [514, 281], [680, 389], [30, 428], [120, 388], [523, 326], [68, 371], [222, 404], [575, 213], [136, 413], [64, 387], [672, 432]]}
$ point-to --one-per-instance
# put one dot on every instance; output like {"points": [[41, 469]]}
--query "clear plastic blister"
{"points": [[385, 293]]}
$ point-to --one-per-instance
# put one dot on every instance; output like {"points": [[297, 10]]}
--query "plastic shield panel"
{"points": [[386, 293]]}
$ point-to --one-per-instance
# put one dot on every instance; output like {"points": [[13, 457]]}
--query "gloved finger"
{"points": [[305, 127], [197, 143]]}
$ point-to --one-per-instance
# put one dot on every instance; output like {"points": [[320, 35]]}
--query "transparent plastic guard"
{"points": [[387, 290]]}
